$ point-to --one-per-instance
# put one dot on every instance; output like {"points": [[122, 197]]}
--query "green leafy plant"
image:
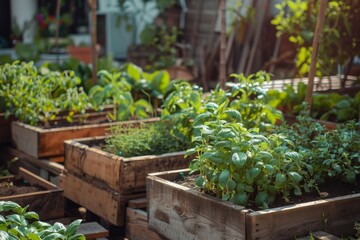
{"points": [[35, 96], [340, 39], [18, 224], [247, 96], [145, 139], [325, 106], [242, 165], [113, 88], [183, 102]]}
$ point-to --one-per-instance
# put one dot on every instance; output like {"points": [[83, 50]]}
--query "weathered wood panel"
{"points": [[178, 212], [104, 202], [49, 203], [137, 227], [335, 215], [125, 175], [43, 143]]}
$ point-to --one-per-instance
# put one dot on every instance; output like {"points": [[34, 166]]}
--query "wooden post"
{"points": [[223, 44], [315, 50], [93, 6]]}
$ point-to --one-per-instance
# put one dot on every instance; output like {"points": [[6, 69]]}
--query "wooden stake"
{"points": [[223, 44], [315, 50], [93, 5]]}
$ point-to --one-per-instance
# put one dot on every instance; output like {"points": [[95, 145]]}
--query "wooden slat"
{"points": [[125, 175], [43, 143], [178, 212], [92, 230], [49, 203], [336, 215], [105, 203], [137, 227], [138, 203]]}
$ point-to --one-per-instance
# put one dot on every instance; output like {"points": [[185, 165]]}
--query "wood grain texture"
{"points": [[124, 175], [178, 212], [104, 202], [49, 203], [43, 143], [92, 230], [137, 227], [334, 215]]}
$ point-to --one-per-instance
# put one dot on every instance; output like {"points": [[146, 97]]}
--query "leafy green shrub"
{"points": [[18, 224], [325, 106], [38, 97], [146, 139], [242, 165]]}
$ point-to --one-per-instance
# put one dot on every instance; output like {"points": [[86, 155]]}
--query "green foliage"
{"points": [[39, 96], [182, 104], [122, 89], [242, 165], [331, 154], [249, 98], [146, 139], [330, 106], [340, 37], [18, 224], [162, 39]]}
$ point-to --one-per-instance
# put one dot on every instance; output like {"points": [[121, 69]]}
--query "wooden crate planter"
{"points": [[179, 212], [49, 143], [97, 198], [49, 203], [124, 175], [112, 180], [137, 227]]}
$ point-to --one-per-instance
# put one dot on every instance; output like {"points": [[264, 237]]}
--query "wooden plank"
{"points": [[124, 175], [108, 204], [52, 167], [178, 212], [92, 230], [321, 235], [138, 203], [43, 143], [137, 227], [49, 203], [335, 215]]}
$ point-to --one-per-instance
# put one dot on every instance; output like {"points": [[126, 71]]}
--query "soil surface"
{"points": [[17, 186], [330, 189]]}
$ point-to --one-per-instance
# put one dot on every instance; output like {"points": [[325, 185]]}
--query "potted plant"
{"points": [[131, 152]]}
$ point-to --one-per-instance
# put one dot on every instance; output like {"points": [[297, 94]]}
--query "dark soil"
{"points": [[11, 187], [330, 189]]}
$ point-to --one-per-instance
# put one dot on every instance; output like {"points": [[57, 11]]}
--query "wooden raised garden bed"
{"points": [[175, 210], [47, 200], [137, 227], [103, 182], [49, 143]]}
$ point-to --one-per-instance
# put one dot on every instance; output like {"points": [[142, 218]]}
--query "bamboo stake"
{"points": [[223, 44], [315, 50], [92, 4]]}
